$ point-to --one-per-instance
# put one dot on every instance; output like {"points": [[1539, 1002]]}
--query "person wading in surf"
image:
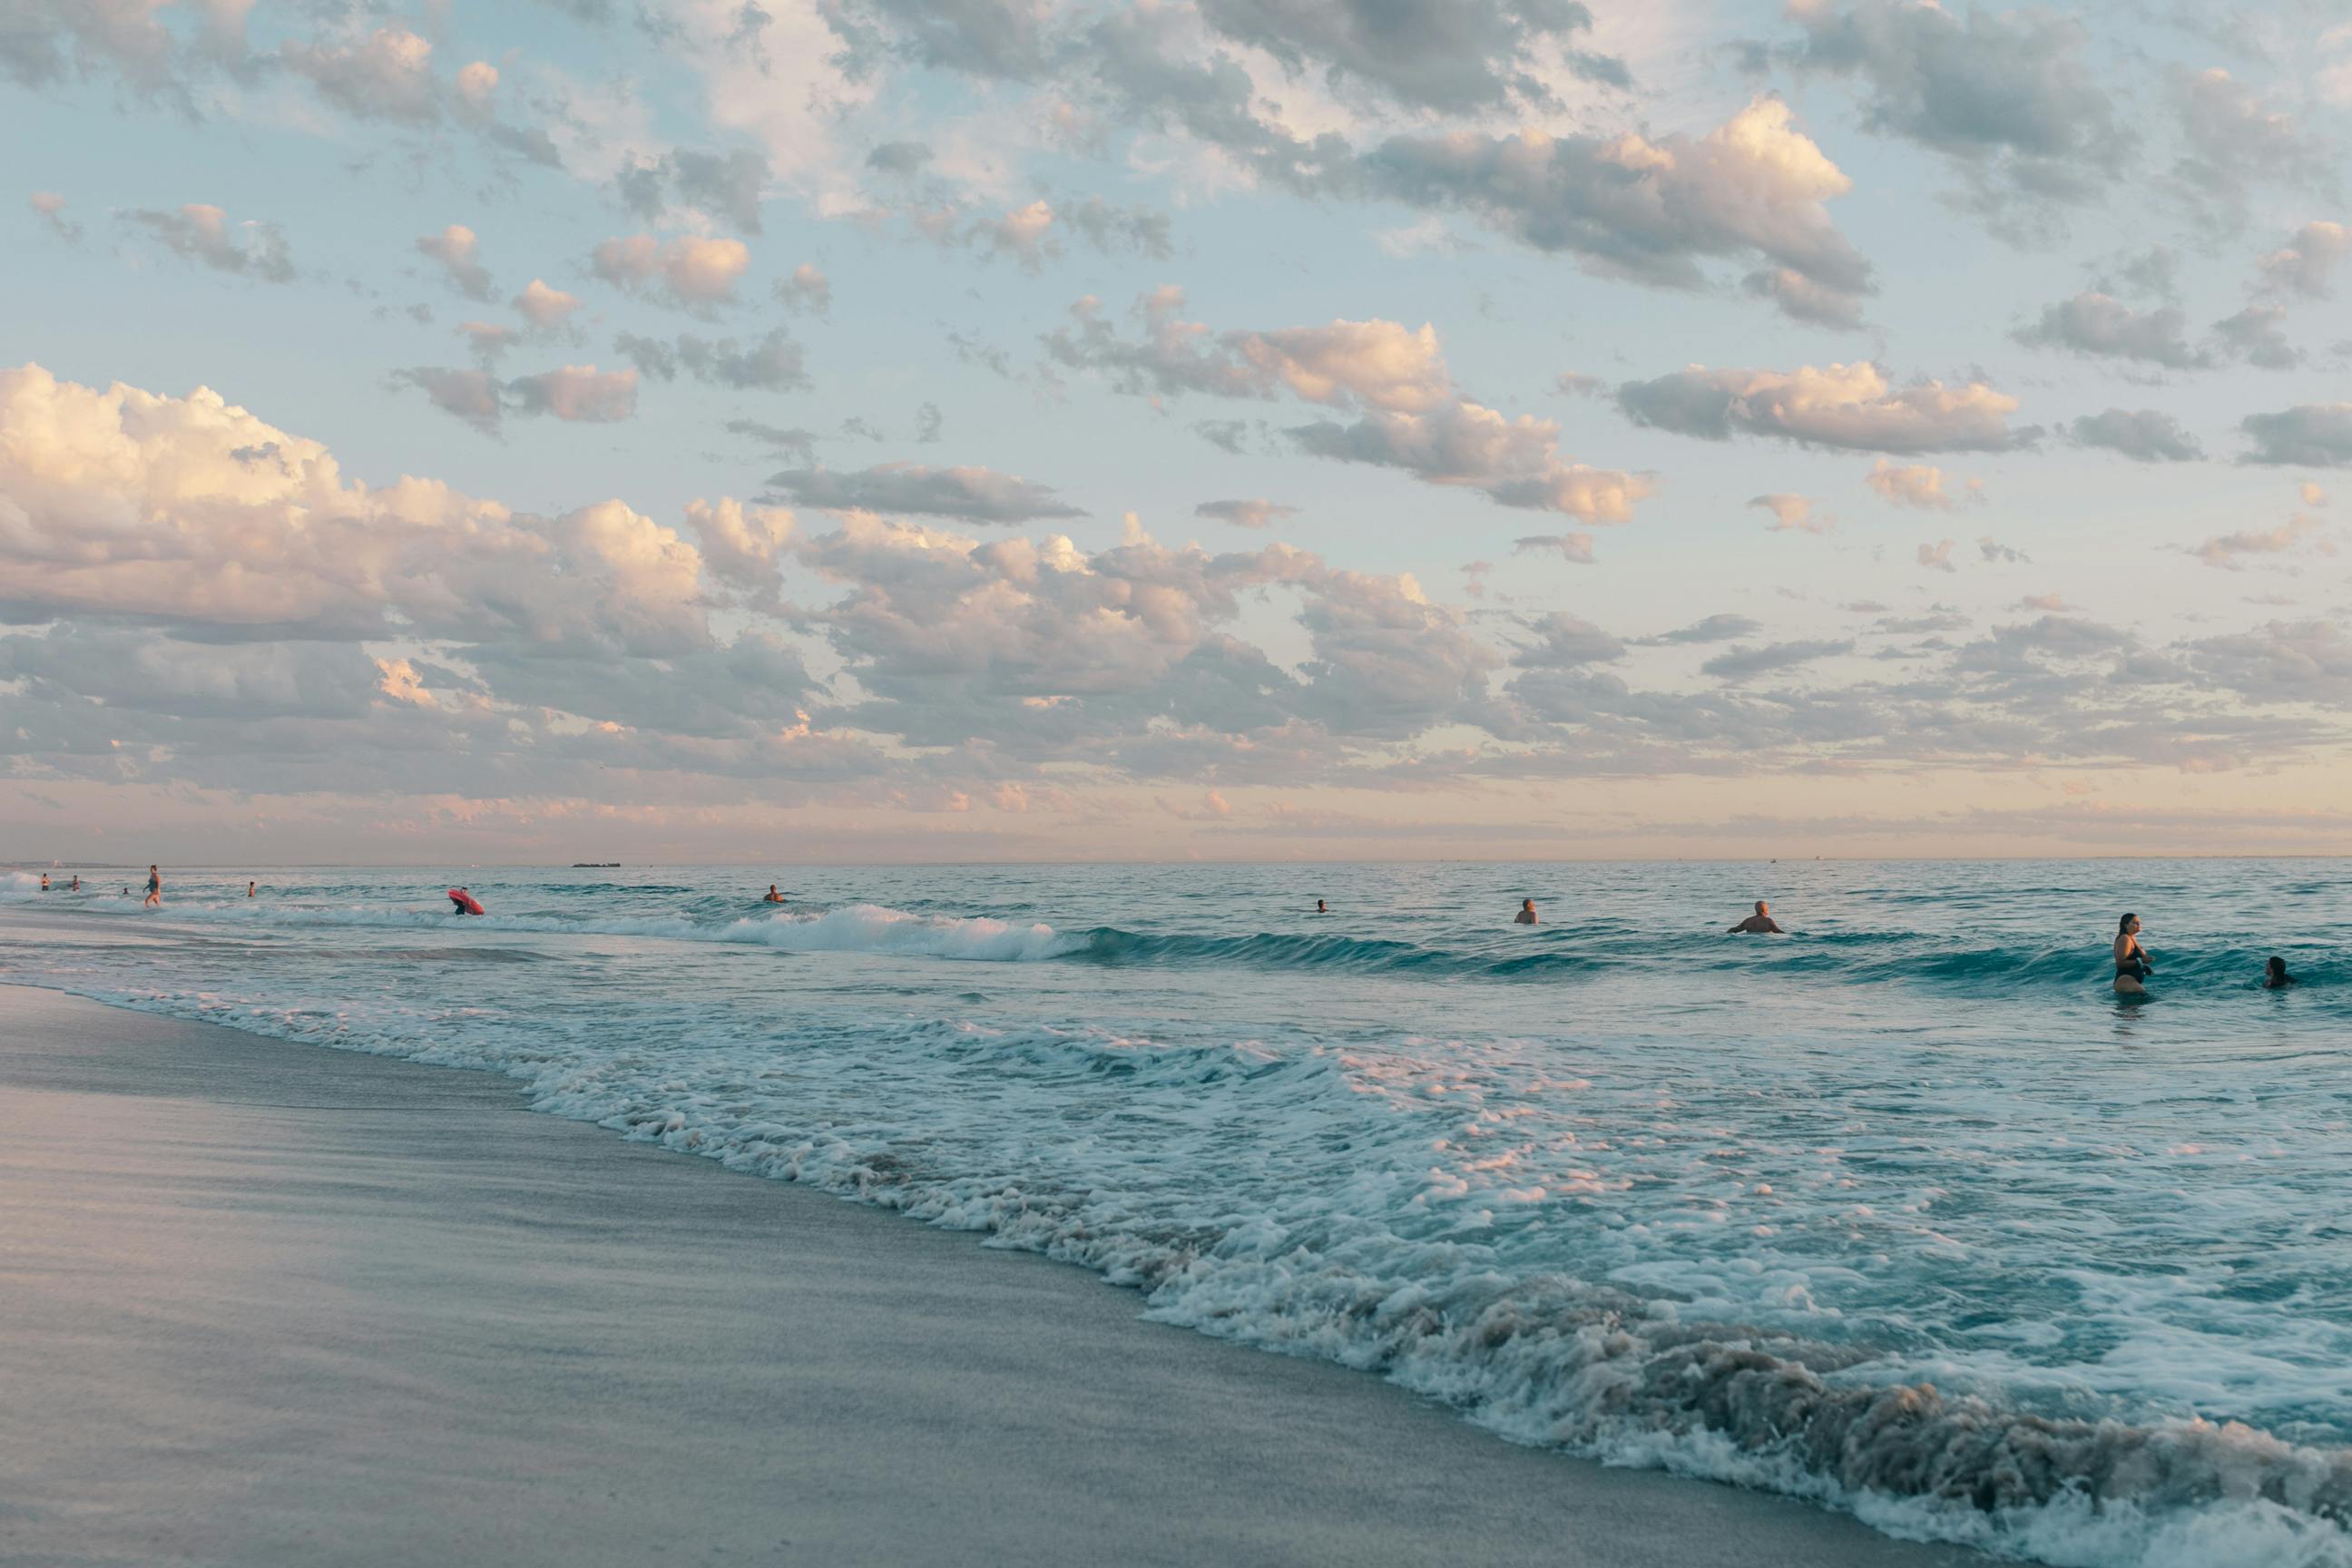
{"points": [[1761, 920], [2131, 959], [154, 888], [1527, 915]]}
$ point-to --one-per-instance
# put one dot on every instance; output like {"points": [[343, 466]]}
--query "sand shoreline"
{"points": [[268, 1303]]}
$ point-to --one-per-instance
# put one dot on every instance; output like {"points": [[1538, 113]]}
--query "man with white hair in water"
{"points": [[1758, 922]]}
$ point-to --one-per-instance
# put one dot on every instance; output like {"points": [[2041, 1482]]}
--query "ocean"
{"points": [[1904, 1212]]}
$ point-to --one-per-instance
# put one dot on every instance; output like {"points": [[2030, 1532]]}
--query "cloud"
{"points": [[1450, 56], [199, 536], [1747, 663], [1792, 515], [743, 544], [1713, 629], [1917, 485], [1801, 298], [2306, 264], [388, 75], [2007, 96], [1568, 642], [579, 393], [797, 443], [1413, 417], [2257, 334], [973, 495], [2236, 139], [771, 363], [1996, 554], [697, 272], [806, 288], [2143, 435], [542, 306], [2309, 435], [1649, 211], [457, 250], [1245, 513], [1938, 557], [2229, 551], [1844, 405], [727, 185], [50, 208], [204, 234], [929, 423], [2100, 325]]}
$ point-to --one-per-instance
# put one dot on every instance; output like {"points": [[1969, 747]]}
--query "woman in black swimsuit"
{"points": [[2131, 959]]}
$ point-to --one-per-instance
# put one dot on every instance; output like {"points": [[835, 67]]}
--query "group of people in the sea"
{"points": [[2133, 966]]}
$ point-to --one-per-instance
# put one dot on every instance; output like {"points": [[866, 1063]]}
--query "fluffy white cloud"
{"points": [[2306, 264], [742, 544], [1917, 485], [1650, 210], [544, 307], [459, 251], [1413, 417], [807, 287], [124, 502], [696, 271], [388, 75], [1793, 514], [1847, 405]]}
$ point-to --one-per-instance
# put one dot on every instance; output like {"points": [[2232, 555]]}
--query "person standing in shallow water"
{"points": [[248, 888], [773, 897], [154, 888], [1527, 915], [1760, 921]]}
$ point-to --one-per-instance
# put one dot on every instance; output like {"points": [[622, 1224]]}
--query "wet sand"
{"points": [[264, 1303]]}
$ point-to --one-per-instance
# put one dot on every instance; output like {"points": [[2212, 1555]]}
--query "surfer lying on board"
{"points": [[2131, 959], [1761, 920]]}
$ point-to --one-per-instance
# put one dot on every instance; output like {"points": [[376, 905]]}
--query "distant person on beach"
{"points": [[1320, 907], [2276, 978], [1758, 922], [45, 881], [2131, 959], [773, 897], [1527, 915], [154, 888], [77, 884], [249, 889]]}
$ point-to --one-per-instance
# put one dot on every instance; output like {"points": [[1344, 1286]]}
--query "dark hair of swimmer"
{"points": [[1319, 907], [2123, 924], [2277, 975]]}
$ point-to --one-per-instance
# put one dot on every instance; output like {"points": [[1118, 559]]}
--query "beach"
{"points": [[266, 1303]]}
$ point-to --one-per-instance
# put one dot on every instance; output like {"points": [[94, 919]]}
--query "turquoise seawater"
{"points": [[1905, 1211]]}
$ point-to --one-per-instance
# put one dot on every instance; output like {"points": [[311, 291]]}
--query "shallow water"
{"points": [[1905, 1211]]}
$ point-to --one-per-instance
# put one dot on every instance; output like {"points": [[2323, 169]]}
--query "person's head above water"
{"points": [[2127, 925], [1319, 907], [1762, 907], [2277, 971]]}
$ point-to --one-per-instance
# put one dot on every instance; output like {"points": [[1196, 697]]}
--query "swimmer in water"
{"points": [[2276, 978], [2131, 959], [1758, 922], [1320, 909], [154, 889], [773, 897], [458, 897], [248, 888], [77, 884], [1527, 915], [45, 881]]}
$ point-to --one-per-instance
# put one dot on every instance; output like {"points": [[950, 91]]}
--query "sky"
{"points": [[1235, 429]]}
